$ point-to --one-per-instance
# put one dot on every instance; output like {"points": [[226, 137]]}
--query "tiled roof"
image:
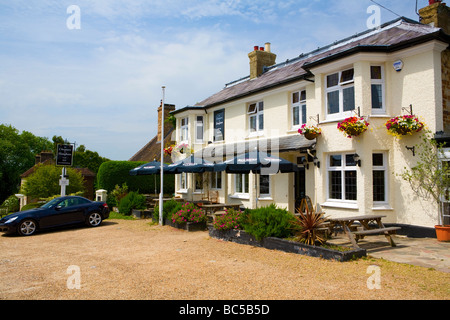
{"points": [[390, 37], [152, 150]]}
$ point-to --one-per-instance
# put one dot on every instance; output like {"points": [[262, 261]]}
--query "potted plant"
{"points": [[309, 131], [353, 126], [430, 178], [403, 125]]}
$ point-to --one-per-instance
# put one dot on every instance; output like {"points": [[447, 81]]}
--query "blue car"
{"points": [[62, 211]]}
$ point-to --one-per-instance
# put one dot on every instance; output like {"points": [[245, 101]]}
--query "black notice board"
{"points": [[219, 125], [64, 155]]}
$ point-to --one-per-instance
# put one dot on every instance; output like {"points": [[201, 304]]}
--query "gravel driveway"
{"points": [[125, 259]]}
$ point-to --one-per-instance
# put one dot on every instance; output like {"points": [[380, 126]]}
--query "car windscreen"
{"points": [[51, 203]]}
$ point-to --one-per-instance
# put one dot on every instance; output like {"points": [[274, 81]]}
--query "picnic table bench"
{"points": [[365, 229]]}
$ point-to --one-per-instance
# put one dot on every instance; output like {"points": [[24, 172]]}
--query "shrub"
{"points": [[269, 221], [169, 208], [31, 206], [116, 195], [308, 228], [132, 200], [189, 213], [231, 220], [12, 203]]}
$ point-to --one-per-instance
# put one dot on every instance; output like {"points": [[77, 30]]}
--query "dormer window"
{"points": [[340, 94]]}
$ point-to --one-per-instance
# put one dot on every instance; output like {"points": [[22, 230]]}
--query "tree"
{"points": [[84, 158], [17, 154], [44, 182], [430, 178]]}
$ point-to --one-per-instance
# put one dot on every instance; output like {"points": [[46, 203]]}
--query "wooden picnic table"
{"points": [[212, 208], [365, 229]]}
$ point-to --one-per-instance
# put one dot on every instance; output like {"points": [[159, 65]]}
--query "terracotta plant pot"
{"points": [[443, 233]]}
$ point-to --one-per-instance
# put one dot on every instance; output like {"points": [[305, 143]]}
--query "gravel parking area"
{"points": [[125, 259]]}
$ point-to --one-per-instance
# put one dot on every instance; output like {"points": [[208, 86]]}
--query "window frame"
{"points": [[340, 87], [302, 109], [245, 184], [197, 126], [378, 82], [265, 195], [383, 168], [183, 187], [342, 168], [256, 113], [184, 129], [215, 177]]}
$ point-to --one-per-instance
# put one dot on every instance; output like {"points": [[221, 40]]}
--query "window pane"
{"points": [[347, 75], [252, 123], [336, 160], [332, 80], [218, 180], [199, 129], [252, 108], [349, 98], [350, 160], [245, 182], [304, 113], [303, 95], [375, 72], [296, 116], [350, 185], [335, 185], [377, 160], [295, 97], [261, 122], [264, 184], [333, 102], [239, 183], [377, 96], [261, 106], [378, 186]]}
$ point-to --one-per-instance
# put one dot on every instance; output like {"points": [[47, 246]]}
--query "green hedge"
{"points": [[114, 173]]}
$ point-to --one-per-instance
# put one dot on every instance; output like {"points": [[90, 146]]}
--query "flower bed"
{"points": [[353, 126], [404, 125], [241, 237]]}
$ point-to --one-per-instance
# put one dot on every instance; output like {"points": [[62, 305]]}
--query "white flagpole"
{"points": [[161, 192]]}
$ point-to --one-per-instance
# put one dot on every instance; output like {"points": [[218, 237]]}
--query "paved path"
{"points": [[424, 252]]}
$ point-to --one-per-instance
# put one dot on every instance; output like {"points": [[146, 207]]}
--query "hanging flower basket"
{"points": [[353, 126], [168, 151], [404, 125], [310, 132]]}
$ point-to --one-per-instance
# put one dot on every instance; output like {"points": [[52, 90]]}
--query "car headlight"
{"points": [[11, 219]]}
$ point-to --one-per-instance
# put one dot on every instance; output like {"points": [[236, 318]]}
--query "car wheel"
{"points": [[94, 219], [27, 228]]}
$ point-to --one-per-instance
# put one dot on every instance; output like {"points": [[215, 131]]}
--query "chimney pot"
{"points": [[261, 48], [255, 48], [267, 45]]}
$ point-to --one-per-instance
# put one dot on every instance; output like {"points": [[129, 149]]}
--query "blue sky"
{"points": [[100, 85]]}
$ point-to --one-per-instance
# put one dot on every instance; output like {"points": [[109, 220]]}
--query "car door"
{"points": [[68, 211]]}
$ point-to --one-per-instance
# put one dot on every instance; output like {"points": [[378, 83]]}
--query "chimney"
{"points": [[46, 155], [167, 125], [260, 57], [436, 14]]}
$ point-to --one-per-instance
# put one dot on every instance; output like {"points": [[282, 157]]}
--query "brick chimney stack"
{"points": [[437, 14], [260, 57], [167, 125]]}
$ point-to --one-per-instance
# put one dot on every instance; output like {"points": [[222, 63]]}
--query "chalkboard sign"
{"points": [[64, 155], [219, 125]]}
